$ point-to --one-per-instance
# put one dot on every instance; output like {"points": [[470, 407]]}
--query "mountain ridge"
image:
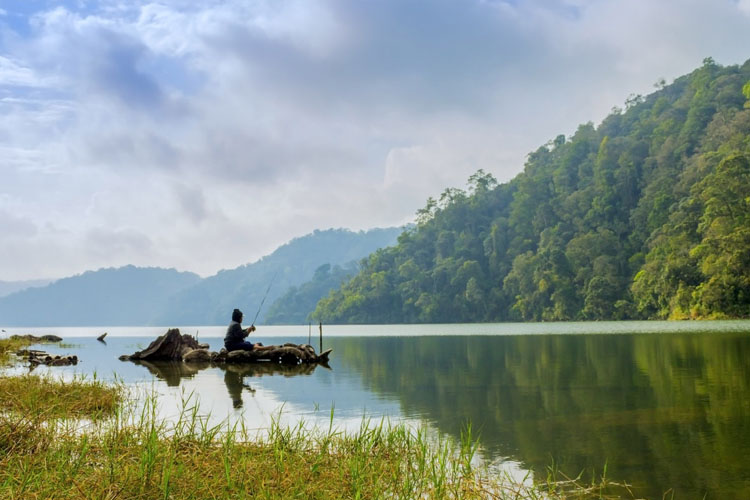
{"points": [[141, 296]]}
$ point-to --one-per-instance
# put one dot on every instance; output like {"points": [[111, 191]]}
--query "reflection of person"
{"points": [[234, 340], [234, 380]]}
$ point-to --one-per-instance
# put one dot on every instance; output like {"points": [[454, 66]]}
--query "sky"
{"points": [[203, 135]]}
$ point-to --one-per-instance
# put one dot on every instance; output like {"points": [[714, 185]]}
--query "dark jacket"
{"points": [[235, 334]]}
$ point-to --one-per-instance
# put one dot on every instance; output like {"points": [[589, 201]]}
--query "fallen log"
{"points": [[36, 358], [174, 346]]}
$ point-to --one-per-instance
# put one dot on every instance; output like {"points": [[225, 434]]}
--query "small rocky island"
{"points": [[174, 346]]}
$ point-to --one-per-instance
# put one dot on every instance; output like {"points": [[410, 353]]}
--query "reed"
{"points": [[9, 346], [49, 398]]}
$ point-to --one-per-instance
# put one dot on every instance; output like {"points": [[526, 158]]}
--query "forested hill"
{"points": [[645, 216]]}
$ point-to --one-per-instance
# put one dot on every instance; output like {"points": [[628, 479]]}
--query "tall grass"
{"points": [[127, 451], [50, 398], [9, 346], [135, 454]]}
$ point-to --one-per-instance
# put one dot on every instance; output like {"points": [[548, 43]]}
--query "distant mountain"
{"points": [[132, 296], [8, 287], [210, 302], [107, 297]]}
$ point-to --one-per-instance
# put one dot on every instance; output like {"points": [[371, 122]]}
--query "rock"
{"points": [[197, 356]]}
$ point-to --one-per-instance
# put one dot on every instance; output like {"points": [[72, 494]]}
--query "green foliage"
{"points": [[642, 217], [295, 306]]}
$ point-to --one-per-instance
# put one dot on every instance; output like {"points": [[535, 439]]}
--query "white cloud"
{"points": [[154, 133]]}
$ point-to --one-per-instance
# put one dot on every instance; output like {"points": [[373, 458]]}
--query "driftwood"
{"points": [[176, 347], [36, 358]]}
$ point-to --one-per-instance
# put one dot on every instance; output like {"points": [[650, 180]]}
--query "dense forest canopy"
{"points": [[645, 216]]}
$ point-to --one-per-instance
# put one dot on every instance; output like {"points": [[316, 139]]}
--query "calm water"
{"points": [[664, 405]]}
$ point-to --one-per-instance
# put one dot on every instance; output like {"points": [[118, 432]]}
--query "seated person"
{"points": [[234, 340]]}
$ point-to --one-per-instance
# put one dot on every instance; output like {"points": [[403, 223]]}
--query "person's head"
{"points": [[237, 316]]}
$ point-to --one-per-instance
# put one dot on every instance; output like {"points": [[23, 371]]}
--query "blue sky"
{"points": [[202, 135]]}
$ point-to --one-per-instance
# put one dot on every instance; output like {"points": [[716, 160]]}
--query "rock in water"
{"points": [[197, 356]]}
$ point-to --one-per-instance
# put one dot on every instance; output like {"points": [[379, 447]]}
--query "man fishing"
{"points": [[234, 340]]}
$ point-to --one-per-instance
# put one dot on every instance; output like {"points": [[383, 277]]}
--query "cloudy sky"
{"points": [[201, 135]]}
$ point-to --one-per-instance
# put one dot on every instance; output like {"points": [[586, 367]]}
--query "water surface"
{"points": [[664, 405]]}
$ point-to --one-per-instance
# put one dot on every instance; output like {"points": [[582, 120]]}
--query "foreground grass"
{"points": [[48, 398], [144, 458], [126, 451]]}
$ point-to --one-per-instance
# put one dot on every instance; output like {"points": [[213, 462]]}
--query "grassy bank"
{"points": [[9, 346], [124, 450]]}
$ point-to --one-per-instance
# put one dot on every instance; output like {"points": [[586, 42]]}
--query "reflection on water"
{"points": [[172, 372], [661, 411]]}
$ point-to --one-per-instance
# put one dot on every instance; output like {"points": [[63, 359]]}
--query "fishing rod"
{"points": [[264, 298]]}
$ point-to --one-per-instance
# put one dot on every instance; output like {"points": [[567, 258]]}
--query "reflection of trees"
{"points": [[661, 410]]}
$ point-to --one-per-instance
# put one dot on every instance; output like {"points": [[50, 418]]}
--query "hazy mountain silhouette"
{"points": [[133, 296], [210, 302], [109, 297], [8, 287]]}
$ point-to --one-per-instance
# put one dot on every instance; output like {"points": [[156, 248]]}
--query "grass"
{"points": [[9, 346], [49, 398], [126, 451], [136, 455]]}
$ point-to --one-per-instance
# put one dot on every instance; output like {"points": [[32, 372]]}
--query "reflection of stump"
{"points": [[172, 371]]}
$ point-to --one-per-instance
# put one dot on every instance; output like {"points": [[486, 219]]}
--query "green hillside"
{"points": [[295, 306], [645, 216]]}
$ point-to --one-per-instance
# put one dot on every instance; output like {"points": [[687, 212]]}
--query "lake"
{"points": [[662, 404]]}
